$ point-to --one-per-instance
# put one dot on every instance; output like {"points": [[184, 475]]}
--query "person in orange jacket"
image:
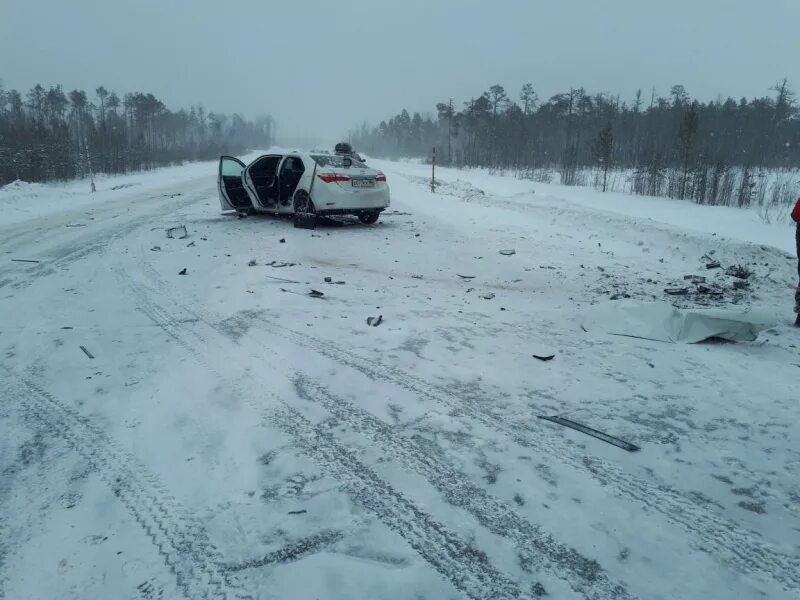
{"points": [[796, 217]]}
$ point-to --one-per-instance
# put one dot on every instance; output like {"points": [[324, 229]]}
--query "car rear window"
{"points": [[333, 160]]}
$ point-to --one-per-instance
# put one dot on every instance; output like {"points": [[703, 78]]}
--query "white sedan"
{"points": [[302, 183]]}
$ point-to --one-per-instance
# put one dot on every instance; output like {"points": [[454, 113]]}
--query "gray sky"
{"points": [[320, 66]]}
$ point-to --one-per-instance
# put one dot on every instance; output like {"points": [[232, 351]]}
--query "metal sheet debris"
{"points": [[660, 321]]}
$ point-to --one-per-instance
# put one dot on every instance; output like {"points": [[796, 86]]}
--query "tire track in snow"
{"points": [[82, 246], [182, 543], [735, 546], [291, 552], [466, 567], [536, 547]]}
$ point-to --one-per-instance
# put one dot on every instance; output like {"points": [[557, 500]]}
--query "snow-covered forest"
{"points": [[726, 151], [50, 134]]}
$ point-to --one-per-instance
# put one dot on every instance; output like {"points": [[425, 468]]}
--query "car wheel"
{"points": [[303, 204], [369, 217]]}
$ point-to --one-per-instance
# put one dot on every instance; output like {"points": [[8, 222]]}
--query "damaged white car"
{"points": [[303, 183]]}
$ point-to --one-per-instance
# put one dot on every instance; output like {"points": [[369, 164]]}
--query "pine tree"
{"points": [[602, 148], [687, 134]]}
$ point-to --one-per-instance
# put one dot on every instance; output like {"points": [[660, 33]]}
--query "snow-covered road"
{"points": [[234, 437]]}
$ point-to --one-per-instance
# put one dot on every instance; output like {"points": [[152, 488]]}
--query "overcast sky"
{"points": [[320, 66]]}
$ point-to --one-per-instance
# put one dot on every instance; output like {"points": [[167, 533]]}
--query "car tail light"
{"points": [[381, 177], [333, 177]]}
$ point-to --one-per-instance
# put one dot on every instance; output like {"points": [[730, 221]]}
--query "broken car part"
{"points": [[592, 432]]}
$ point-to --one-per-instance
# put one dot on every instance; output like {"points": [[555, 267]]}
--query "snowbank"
{"points": [[735, 223], [21, 200]]}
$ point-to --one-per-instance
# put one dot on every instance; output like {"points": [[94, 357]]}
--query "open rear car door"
{"points": [[232, 195], [261, 180]]}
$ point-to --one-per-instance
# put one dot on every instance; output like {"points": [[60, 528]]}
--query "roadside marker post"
{"points": [[433, 171]]}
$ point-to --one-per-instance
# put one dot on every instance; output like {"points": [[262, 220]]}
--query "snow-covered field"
{"points": [[234, 437]]}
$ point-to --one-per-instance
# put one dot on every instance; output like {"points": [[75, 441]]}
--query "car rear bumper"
{"points": [[346, 211], [328, 200]]}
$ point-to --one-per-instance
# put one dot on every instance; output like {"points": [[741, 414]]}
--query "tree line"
{"points": [[49, 134], [713, 152]]}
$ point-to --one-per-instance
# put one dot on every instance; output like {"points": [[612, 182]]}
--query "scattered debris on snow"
{"points": [[710, 290], [86, 352], [252, 262], [278, 265], [694, 278], [544, 358], [374, 321], [182, 271], [711, 263], [738, 271], [178, 232], [281, 279], [315, 294], [508, 252], [677, 291], [487, 295]]}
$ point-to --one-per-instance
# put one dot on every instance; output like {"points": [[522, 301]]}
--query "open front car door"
{"points": [[232, 195]]}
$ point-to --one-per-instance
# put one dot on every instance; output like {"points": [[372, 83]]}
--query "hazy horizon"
{"points": [[365, 61]]}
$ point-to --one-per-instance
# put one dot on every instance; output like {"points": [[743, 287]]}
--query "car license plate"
{"points": [[363, 183]]}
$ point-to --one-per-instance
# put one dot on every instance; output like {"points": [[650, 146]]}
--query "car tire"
{"points": [[369, 217], [303, 203]]}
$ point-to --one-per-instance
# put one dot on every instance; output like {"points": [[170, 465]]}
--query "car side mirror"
{"points": [[347, 162]]}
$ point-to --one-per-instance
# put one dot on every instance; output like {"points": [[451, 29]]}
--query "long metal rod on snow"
{"points": [[593, 432]]}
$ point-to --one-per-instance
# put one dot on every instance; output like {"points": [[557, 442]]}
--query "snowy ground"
{"points": [[235, 437]]}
